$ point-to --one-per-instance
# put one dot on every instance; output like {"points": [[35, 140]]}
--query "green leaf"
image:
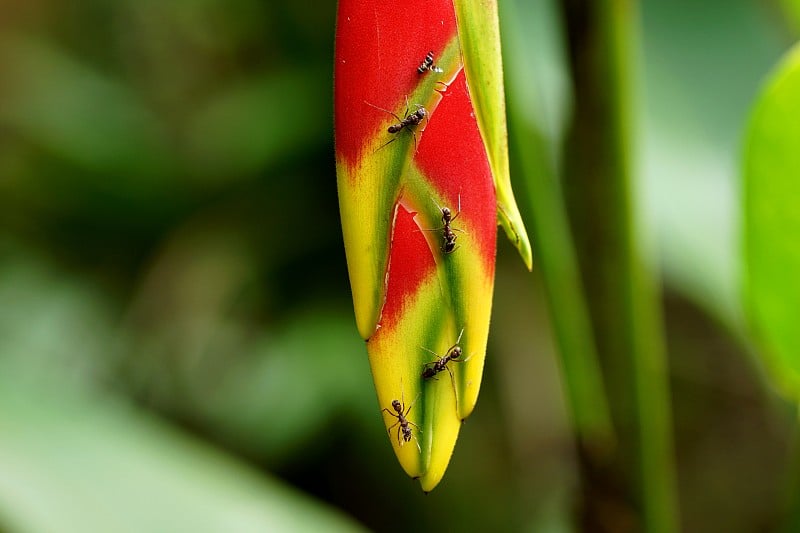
{"points": [[74, 465], [791, 9], [228, 135], [772, 223], [53, 100]]}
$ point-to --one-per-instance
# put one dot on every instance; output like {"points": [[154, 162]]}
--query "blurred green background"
{"points": [[177, 345]]}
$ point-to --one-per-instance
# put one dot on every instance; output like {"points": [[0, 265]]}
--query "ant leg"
{"points": [[462, 360], [415, 139], [389, 429], [384, 110], [455, 391], [416, 440], [393, 139]]}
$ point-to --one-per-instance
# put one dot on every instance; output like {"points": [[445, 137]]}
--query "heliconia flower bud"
{"points": [[419, 207]]}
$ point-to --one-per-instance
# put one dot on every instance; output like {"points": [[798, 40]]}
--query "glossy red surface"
{"points": [[410, 263], [452, 156], [379, 46]]}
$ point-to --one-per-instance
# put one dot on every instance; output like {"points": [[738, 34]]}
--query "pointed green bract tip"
{"points": [[514, 228], [479, 32]]}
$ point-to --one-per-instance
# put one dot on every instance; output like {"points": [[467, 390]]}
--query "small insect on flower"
{"points": [[430, 370], [408, 121], [434, 367], [448, 233], [427, 64], [401, 414]]}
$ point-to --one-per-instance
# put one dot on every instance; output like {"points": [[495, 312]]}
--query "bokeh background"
{"points": [[177, 345]]}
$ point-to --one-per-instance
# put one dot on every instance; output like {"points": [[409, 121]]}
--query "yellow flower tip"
{"points": [[365, 249], [440, 459], [442, 424], [429, 406]]}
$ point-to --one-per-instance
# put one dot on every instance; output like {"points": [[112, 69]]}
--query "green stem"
{"points": [[791, 506], [624, 297], [541, 191]]}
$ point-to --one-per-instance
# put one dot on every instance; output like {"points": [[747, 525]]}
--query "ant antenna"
{"points": [[429, 351], [384, 110]]}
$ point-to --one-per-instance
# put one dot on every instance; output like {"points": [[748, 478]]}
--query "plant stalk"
{"points": [[623, 295], [556, 259]]}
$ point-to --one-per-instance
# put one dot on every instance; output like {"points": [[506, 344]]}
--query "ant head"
{"points": [[455, 353], [421, 113], [397, 406], [446, 213]]}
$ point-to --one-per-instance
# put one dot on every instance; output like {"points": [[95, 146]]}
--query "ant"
{"points": [[448, 233], [440, 364], [404, 423], [434, 367], [427, 64], [408, 121]]}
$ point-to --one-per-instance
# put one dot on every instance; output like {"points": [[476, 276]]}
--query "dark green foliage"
{"points": [[175, 322]]}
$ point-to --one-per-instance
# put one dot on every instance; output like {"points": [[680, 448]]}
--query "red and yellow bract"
{"points": [[410, 297]]}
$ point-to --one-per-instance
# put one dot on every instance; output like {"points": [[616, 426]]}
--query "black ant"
{"points": [[430, 370], [408, 121], [448, 233], [434, 367], [427, 64], [404, 423]]}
